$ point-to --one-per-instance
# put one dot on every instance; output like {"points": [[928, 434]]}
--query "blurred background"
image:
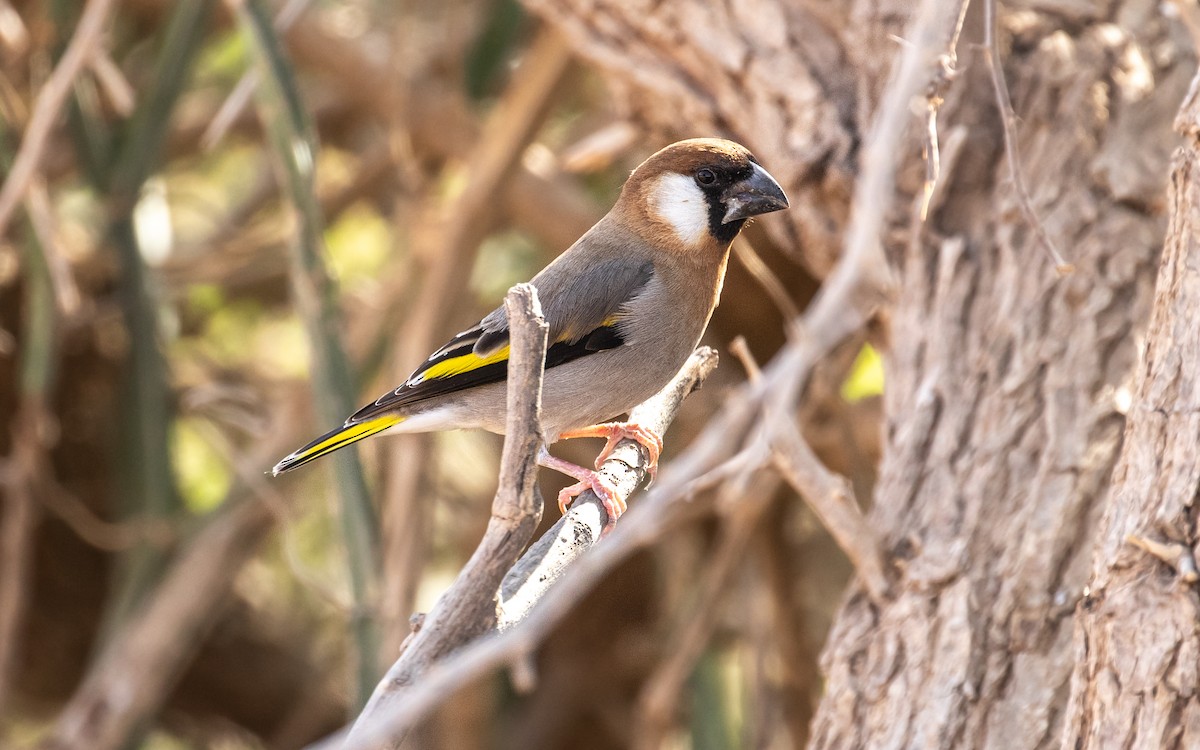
{"points": [[252, 218]]}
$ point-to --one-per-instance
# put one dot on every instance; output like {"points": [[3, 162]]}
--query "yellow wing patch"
{"points": [[470, 361], [460, 364], [573, 334]]}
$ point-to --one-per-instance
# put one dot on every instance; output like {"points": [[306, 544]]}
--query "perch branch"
{"points": [[582, 526], [710, 460], [468, 608], [462, 222]]}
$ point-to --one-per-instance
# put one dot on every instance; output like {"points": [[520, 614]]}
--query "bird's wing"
{"points": [[584, 316]]}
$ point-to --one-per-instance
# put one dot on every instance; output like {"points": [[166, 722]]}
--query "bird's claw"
{"points": [[614, 505], [615, 432]]}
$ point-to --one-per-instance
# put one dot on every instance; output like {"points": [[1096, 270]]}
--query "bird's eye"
{"points": [[706, 177]]}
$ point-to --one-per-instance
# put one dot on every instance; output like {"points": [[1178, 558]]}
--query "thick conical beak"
{"points": [[757, 194]]}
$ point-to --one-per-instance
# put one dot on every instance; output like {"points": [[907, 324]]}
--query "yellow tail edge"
{"points": [[334, 439]]}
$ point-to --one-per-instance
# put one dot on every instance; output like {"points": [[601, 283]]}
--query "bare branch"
{"points": [[468, 608], [237, 101], [584, 524], [766, 278], [19, 520], [461, 222], [130, 679], [832, 499], [707, 462], [113, 82], [49, 103]]}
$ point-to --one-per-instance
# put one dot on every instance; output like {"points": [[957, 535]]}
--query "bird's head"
{"points": [[701, 191]]}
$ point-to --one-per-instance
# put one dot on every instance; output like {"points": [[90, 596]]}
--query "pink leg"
{"points": [[618, 431], [588, 480]]}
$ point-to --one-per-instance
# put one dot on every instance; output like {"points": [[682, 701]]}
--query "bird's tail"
{"points": [[334, 439]]}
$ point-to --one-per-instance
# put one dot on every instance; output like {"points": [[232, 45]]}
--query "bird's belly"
{"points": [[601, 387]]}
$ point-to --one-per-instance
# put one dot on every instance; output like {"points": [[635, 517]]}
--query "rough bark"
{"points": [[1002, 408], [1137, 636], [1004, 381]]}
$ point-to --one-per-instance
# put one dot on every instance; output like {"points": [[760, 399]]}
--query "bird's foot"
{"points": [[614, 505], [618, 431]]}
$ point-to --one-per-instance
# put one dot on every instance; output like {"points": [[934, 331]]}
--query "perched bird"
{"points": [[626, 306]]}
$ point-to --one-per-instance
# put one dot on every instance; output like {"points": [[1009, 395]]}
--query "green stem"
{"points": [[146, 402], [316, 293]]}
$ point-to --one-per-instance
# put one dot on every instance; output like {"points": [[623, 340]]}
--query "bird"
{"points": [[626, 305]]}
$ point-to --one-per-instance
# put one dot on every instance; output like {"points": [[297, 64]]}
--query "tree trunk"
{"points": [[1005, 398], [1137, 637], [1006, 384]]}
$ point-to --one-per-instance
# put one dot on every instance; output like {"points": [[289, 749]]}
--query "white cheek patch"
{"points": [[680, 203]]}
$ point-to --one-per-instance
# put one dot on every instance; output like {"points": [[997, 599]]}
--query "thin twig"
{"points": [[110, 536], [766, 278], [1008, 119], [741, 350], [934, 98], [49, 103], [18, 510], [41, 217], [832, 499], [113, 83], [237, 101]]}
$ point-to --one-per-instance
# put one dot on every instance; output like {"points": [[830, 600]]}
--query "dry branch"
{"points": [[49, 104], [132, 677], [463, 222], [642, 525], [468, 608], [18, 522], [832, 500], [548, 559]]}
